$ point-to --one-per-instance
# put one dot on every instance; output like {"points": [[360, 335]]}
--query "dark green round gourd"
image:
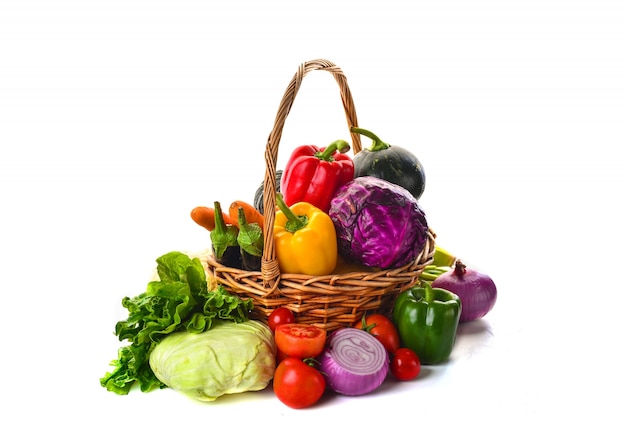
{"points": [[258, 195], [391, 163]]}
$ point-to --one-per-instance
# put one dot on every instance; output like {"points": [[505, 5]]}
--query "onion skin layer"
{"points": [[477, 290], [354, 362]]}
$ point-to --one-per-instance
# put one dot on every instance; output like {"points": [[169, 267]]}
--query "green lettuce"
{"points": [[179, 300]]}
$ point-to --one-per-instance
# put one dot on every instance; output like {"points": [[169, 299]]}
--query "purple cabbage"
{"points": [[378, 223]]}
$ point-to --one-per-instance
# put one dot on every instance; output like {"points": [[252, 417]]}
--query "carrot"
{"points": [[205, 217], [252, 214]]}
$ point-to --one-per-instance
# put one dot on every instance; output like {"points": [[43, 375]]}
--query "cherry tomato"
{"points": [[405, 364], [384, 329], [280, 315], [300, 340], [297, 384]]}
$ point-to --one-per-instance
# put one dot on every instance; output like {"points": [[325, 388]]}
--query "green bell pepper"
{"points": [[427, 319]]}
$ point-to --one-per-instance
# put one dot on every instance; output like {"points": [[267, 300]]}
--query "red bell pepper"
{"points": [[314, 174]]}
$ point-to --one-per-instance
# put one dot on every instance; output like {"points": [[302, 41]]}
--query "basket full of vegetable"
{"points": [[338, 237]]}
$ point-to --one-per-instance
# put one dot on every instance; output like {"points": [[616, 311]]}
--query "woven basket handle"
{"points": [[269, 264]]}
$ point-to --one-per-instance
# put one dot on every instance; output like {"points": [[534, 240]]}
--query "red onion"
{"points": [[477, 290], [354, 362]]}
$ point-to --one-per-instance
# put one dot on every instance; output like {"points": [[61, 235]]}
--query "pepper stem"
{"points": [[429, 294], [294, 222], [340, 145], [377, 144]]}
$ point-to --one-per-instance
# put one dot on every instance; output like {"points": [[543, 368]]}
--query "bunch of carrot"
{"points": [[205, 216]]}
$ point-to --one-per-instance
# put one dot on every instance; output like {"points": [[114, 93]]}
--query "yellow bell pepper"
{"points": [[305, 238]]}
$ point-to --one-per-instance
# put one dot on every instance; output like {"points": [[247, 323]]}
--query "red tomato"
{"points": [[405, 364], [384, 330], [300, 340], [297, 384], [280, 315]]}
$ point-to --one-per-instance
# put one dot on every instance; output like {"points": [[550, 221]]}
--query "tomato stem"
{"points": [[364, 326], [311, 362]]}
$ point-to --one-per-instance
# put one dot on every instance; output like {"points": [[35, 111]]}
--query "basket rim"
{"points": [[331, 284]]}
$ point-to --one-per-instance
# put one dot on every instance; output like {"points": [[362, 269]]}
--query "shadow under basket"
{"points": [[329, 301]]}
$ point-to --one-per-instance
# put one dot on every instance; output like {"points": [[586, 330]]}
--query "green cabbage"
{"points": [[227, 359]]}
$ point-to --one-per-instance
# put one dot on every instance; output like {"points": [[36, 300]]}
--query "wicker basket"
{"points": [[330, 301]]}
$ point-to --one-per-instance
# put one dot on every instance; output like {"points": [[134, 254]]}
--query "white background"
{"points": [[118, 117]]}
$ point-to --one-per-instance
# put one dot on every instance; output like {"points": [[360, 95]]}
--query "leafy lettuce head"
{"points": [[227, 359]]}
